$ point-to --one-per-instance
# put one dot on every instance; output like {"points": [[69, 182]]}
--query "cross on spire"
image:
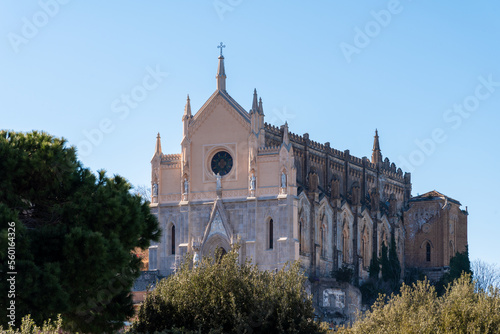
{"points": [[220, 46]]}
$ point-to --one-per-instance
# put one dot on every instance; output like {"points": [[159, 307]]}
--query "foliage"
{"points": [[459, 264], [28, 326], [143, 191], [418, 309], [74, 233], [390, 267], [486, 275], [394, 270], [374, 268], [343, 274], [222, 296]]}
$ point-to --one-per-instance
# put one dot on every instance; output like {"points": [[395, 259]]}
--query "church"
{"points": [[284, 197]]}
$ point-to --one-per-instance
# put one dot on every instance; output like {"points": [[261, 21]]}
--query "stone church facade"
{"points": [[285, 197]]}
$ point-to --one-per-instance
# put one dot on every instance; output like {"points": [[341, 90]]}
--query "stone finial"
{"points": [[158, 145], [221, 74], [376, 155], [286, 139], [255, 104], [187, 108]]}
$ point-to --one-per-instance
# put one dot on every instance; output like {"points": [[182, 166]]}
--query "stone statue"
{"points": [[196, 259], [155, 189], [283, 180], [219, 184], [252, 181], [186, 186]]}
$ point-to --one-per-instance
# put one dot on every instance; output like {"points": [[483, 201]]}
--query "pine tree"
{"points": [[395, 266], [374, 268], [74, 234], [223, 296]]}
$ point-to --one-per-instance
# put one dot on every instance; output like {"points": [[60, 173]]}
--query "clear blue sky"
{"points": [[419, 71]]}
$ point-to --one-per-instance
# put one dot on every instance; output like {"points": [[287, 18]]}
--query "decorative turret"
{"points": [[221, 73], [261, 110], [187, 116], [255, 114], [255, 106], [158, 145], [286, 140], [376, 155]]}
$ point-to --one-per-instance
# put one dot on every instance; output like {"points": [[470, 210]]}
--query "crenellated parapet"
{"points": [[170, 157], [268, 150]]}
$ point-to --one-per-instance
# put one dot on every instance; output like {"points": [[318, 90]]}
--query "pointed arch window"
{"points": [[301, 247], [428, 252], [345, 243], [271, 233], [172, 240]]}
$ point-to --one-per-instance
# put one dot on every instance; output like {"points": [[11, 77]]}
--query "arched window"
{"points": [[301, 249], [271, 223], [428, 252], [321, 240], [172, 240], [345, 245]]}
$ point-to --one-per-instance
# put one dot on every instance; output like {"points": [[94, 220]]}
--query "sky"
{"points": [[109, 75]]}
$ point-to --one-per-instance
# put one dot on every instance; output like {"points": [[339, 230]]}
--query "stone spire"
{"points": [[187, 108], [376, 155], [255, 105], [186, 117], [261, 110], [286, 140], [158, 145], [221, 73]]}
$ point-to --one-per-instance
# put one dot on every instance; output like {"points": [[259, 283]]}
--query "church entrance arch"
{"points": [[214, 242]]}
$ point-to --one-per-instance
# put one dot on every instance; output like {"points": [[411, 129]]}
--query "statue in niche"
{"points": [[283, 180], [252, 181], [186, 185], [155, 189], [218, 181]]}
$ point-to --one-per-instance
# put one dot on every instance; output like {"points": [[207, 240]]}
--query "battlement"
{"points": [[170, 157], [387, 168], [268, 150]]}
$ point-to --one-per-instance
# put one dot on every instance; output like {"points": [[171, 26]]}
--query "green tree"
{"points": [[374, 268], [385, 264], [222, 296], [459, 264], [394, 270], [74, 233], [418, 309]]}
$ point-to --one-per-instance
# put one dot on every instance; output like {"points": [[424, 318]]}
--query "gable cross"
{"points": [[220, 47]]}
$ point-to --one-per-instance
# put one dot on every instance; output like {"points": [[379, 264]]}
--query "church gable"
{"points": [[220, 113], [218, 227]]}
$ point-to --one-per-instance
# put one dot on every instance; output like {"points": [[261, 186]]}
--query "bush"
{"points": [[344, 274], [418, 309], [28, 326], [221, 296]]}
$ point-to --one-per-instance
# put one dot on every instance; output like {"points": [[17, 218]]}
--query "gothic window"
{"points": [[428, 252], [301, 248], [345, 243], [321, 240], [271, 227], [172, 240], [365, 248]]}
